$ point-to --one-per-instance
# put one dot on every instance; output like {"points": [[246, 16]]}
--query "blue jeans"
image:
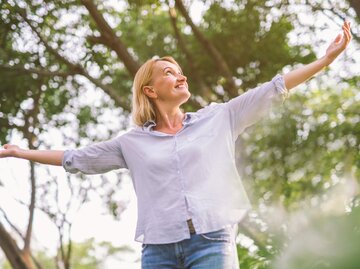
{"points": [[214, 250]]}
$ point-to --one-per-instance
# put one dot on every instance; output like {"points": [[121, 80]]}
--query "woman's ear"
{"points": [[149, 92]]}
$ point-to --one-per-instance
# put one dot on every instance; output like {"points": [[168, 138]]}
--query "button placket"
{"points": [[179, 173], [177, 158]]}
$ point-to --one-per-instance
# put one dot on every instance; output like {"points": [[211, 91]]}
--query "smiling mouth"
{"points": [[180, 86]]}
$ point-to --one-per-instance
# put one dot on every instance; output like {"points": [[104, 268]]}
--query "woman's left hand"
{"points": [[339, 44]]}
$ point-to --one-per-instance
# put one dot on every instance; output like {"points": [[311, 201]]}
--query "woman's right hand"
{"points": [[9, 151]]}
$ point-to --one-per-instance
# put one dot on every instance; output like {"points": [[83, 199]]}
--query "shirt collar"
{"points": [[190, 118], [147, 126]]}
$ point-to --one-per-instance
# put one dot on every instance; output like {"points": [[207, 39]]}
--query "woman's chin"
{"points": [[187, 96]]}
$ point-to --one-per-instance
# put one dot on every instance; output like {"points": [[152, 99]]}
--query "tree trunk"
{"points": [[355, 4], [110, 39], [11, 250]]}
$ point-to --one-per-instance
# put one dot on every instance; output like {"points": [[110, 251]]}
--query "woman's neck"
{"points": [[169, 121]]}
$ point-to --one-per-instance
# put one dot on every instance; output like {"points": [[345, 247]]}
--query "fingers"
{"points": [[347, 32], [342, 40]]}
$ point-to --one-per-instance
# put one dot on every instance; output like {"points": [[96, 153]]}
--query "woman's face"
{"points": [[168, 84]]}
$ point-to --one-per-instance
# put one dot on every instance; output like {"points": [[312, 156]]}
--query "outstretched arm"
{"points": [[52, 157], [300, 75]]}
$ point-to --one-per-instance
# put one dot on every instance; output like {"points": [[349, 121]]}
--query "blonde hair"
{"points": [[143, 109]]}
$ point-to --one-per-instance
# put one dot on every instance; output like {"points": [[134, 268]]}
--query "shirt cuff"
{"points": [[67, 162], [280, 87]]}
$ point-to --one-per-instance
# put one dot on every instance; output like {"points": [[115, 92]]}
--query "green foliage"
{"points": [[302, 158], [254, 45], [249, 260], [92, 255], [19, 89], [85, 255], [330, 242], [316, 140], [145, 29], [45, 261]]}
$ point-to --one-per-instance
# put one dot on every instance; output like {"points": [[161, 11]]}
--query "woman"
{"points": [[190, 196]]}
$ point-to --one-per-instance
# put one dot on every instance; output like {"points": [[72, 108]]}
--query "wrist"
{"points": [[327, 60], [18, 153]]}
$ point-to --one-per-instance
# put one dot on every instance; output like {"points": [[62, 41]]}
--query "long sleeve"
{"points": [[248, 108], [95, 159]]}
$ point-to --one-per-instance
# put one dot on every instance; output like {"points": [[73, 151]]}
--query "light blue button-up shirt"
{"points": [[190, 174]]}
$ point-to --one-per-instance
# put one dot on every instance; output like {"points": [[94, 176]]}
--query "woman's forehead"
{"points": [[161, 65]]}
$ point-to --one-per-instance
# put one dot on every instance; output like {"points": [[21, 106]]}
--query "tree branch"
{"points": [[40, 72], [11, 224], [77, 68], [28, 235], [11, 250], [93, 40], [38, 265], [204, 89], [355, 4], [110, 39], [211, 49], [333, 11]]}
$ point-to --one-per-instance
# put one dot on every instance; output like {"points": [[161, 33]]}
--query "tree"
{"points": [[86, 255], [309, 166], [356, 6], [51, 51]]}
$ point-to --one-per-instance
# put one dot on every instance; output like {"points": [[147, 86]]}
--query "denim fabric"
{"points": [[214, 250]]}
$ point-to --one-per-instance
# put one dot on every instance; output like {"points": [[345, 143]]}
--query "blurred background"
{"points": [[66, 70]]}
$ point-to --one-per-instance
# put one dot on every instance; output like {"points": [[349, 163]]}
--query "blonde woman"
{"points": [[190, 196]]}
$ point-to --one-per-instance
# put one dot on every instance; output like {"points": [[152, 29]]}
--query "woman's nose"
{"points": [[181, 77]]}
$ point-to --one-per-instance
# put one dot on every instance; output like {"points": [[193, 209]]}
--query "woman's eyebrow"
{"points": [[170, 68], [167, 67]]}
